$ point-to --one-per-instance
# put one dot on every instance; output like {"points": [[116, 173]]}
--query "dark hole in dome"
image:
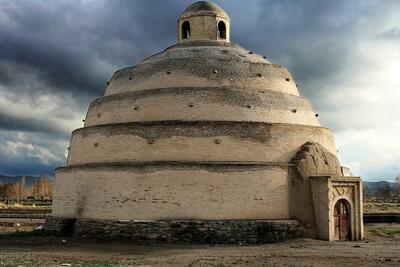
{"points": [[316, 115], [250, 52], [287, 79], [130, 78], [136, 108], [191, 105]]}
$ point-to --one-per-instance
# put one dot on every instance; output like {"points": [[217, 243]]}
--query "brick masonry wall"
{"points": [[201, 104], [195, 141], [193, 232], [172, 192], [199, 72]]}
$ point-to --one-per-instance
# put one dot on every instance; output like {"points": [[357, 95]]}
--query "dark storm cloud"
{"points": [[67, 50], [29, 153], [311, 38], [56, 65], [12, 123], [75, 47], [43, 41], [26, 165]]}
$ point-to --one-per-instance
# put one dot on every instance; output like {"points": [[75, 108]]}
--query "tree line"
{"points": [[41, 189], [385, 193]]}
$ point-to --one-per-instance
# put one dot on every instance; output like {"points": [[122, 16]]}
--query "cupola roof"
{"points": [[203, 8]]}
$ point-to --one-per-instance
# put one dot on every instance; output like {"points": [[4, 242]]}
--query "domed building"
{"points": [[205, 142]]}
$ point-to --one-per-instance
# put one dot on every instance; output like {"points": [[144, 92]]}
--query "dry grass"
{"points": [[381, 208]]}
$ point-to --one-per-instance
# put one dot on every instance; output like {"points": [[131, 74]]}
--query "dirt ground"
{"points": [[376, 250]]}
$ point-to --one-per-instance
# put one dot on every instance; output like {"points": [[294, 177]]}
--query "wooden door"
{"points": [[342, 220]]}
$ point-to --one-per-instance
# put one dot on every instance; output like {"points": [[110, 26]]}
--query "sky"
{"points": [[56, 56]]}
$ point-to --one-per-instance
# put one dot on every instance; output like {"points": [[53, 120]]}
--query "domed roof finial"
{"points": [[204, 7], [203, 20]]}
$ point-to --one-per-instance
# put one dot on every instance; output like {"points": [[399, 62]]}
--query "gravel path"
{"points": [[50, 251]]}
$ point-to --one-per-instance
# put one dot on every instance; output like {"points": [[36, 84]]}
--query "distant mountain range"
{"points": [[29, 180], [372, 187]]}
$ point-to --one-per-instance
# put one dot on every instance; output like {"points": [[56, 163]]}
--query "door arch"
{"points": [[342, 220]]}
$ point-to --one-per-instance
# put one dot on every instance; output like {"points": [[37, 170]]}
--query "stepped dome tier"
{"points": [[202, 80], [204, 130]]}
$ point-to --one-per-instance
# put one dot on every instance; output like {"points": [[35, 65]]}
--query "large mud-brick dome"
{"points": [[204, 130]]}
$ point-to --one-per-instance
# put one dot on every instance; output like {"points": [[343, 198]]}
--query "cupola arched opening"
{"points": [[186, 30], [221, 30]]}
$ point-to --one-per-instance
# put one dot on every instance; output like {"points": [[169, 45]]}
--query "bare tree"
{"points": [[8, 191], [365, 192], [397, 181], [385, 193], [42, 188], [21, 188]]}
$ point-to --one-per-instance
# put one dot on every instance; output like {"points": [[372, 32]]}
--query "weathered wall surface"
{"points": [[201, 104], [308, 200], [313, 159], [320, 188], [301, 202], [189, 232], [182, 66], [162, 192], [203, 141]]}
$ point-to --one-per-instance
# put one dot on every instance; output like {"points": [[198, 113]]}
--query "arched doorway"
{"points": [[342, 217]]}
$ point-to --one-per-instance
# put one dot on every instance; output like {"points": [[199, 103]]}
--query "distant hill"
{"points": [[372, 187], [29, 180]]}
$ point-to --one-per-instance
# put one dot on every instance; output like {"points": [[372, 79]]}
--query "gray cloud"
{"points": [[40, 125], [393, 34], [55, 56], [30, 153]]}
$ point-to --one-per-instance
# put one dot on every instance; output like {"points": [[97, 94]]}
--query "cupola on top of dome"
{"points": [[203, 21]]}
